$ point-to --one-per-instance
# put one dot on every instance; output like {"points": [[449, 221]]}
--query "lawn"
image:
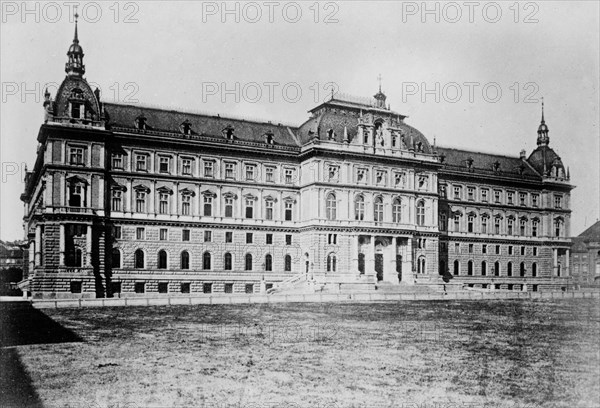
{"points": [[521, 353]]}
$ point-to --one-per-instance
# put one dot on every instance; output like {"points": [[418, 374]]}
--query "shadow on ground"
{"points": [[21, 324]]}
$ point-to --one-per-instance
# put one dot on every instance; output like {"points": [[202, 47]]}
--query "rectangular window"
{"points": [[497, 226], [230, 170], [250, 172], [76, 155], [288, 210], [484, 222], [497, 195], [523, 198], [207, 288], [117, 232], [361, 175], [484, 195], [288, 240], [228, 236], [76, 286], [140, 233], [185, 235], [207, 236], [249, 208], [229, 207], [117, 200], [163, 234], [471, 193], [249, 237], [509, 226], [249, 288], [117, 161], [229, 288], [510, 249], [163, 203], [140, 287], [186, 204], [269, 239], [484, 249], [522, 251], [164, 163], [470, 248], [140, 201], [163, 287], [509, 197], [209, 169], [497, 249], [269, 209], [141, 162], [535, 251], [289, 176], [380, 177], [557, 201], [457, 248], [207, 205], [185, 287], [186, 167], [270, 174], [457, 192], [534, 200]]}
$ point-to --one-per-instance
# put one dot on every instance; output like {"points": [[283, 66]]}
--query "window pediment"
{"points": [[77, 179], [209, 193], [289, 199], [187, 191], [229, 194], [117, 186], [270, 198], [143, 188], [164, 190]]}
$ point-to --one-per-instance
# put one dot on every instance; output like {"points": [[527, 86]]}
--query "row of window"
{"points": [[495, 269], [140, 261], [331, 212], [496, 196], [163, 287], [485, 248], [209, 168], [163, 235], [208, 202], [380, 177], [522, 227]]}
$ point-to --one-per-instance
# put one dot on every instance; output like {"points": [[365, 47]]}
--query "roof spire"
{"points": [[543, 121], [543, 139], [380, 96], [379, 79], [74, 66]]}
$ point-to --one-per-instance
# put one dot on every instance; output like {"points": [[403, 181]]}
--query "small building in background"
{"points": [[586, 257], [11, 268]]}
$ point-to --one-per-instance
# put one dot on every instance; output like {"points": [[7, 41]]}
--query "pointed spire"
{"points": [[543, 139], [74, 65], [543, 121], [380, 96]]}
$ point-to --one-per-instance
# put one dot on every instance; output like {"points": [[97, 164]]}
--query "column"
{"points": [[38, 245], [554, 261], [567, 268], [88, 246], [61, 245], [370, 257], [354, 248], [32, 250]]}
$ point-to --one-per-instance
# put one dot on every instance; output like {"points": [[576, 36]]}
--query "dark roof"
{"points": [[592, 233], [170, 121], [544, 154], [485, 163]]}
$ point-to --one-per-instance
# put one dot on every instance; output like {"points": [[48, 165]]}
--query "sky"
{"points": [[469, 75]]}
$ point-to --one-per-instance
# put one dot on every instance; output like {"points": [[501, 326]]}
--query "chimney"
{"points": [[523, 154]]}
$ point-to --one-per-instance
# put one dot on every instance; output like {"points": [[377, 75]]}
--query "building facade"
{"points": [[585, 257], [127, 200]]}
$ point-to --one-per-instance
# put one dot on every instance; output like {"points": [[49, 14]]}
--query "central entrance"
{"points": [[379, 266]]}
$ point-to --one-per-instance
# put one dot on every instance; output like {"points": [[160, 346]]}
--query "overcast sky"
{"points": [[279, 59]]}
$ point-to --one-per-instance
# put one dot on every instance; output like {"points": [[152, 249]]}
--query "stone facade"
{"points": [[135, 201]]}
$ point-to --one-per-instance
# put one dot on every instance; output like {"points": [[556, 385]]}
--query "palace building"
{"points": [[128, 200]]}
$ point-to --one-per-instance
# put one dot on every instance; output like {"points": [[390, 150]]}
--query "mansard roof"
{"points": [[202, 124], [485, 163], [543, 158]]}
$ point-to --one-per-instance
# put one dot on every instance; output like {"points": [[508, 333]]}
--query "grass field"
{"points": [[543, 353]]}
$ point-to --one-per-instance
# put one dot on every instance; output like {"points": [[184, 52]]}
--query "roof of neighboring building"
{"points": [[486, 163], [10, 250], [592, 233], [202, 124]]}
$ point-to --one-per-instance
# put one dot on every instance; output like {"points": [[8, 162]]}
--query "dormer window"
{"points": [[470, 163], [140, 122], [186, 127], [228, 132], [496, 166], [330, 134], [77, 104], [420, 147], [269, 138]]}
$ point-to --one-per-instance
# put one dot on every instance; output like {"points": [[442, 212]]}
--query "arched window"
{"points": [[534, 269], [557, 227], [331, 263], [206, 264], [456, 267], [421, 265], [470, 268], [288, 263], [359, 208], [496, 268], [248, 262], [509, 269], [162, 259], [116, 258], [331, 207], [522, 269], [268, 262], [483, 268], [378, 210], [228, 262], [139, 259], [185, 260], [420, 213]]}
